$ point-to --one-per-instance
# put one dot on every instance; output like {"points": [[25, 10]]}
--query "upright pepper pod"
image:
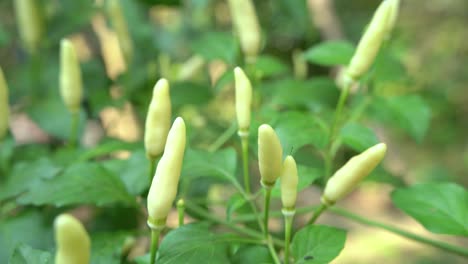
{"points": [[4, 108], [30, 22], [71, 84], [247, 27], [158, 120], [371, 41], [119, 24], [243, 100], [270, 155], [357, 168], [73, 243], [289, 181], [163, 189]]}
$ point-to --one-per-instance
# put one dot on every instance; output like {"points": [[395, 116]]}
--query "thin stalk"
{"points": [[181, 211], [435, 243], [250, 217], [249, 200], [152, 168], [74, 129], [266, 210], [272, 250], [245, 162], [288, 220], [223, 138], [317, 213], [154, 244], [242, 230]]}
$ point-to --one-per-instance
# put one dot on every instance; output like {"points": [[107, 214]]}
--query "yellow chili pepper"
{"points": [[270, 155], [30, 22], [4, 108], [119, 24], [158, 120], [163, 189], [357, 168], [243, 99], [289, 181], [71, 86], [73, 243]]}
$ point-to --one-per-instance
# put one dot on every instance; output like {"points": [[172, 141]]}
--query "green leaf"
{"points": [[235, 203], [441, 208], [358, 137], [26, 175], [297, 129], [134, 171], [252, 255], [193, 244], [107, 147], [330, 53], [216, 45], [318, 244], [201, 163], [82, 183], [106, 248], [25, 254], [307, 175], [381, 175], [267, 66], [187, 93], [30, 228]]}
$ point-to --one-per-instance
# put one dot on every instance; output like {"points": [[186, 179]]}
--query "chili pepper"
{"points": [[270, 154], [243, 99], [371, 41], [4, 109], [247, 27], [119, 24], [71, 86], [348, 176], [289, 180], [165, 181], [158, 120], [30, 22], [73, 243]]}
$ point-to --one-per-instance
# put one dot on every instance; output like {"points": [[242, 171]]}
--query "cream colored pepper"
{"points": [[270, 155], [71, 84], [243, 99], [348, 176], [4, 106], [30, 23], [158, 120], [163, 189], [246, 24], [119, 24], [72, 240], [289, 181], [371, 41]]}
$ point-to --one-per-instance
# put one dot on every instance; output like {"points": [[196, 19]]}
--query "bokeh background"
{"points": [[191, 44]]}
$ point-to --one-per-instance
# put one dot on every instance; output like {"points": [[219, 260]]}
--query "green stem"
{"points": [[181, 211], [245, 162], [154, 244], [288, 219], [437, 244], [74, 129], [242, 230], [272, 250], [248, 198], [317, 213], [223, 138], [250, 217], [266, 210]]}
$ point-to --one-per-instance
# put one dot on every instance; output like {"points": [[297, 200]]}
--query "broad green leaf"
{"points": [[330, 53], [358, 137], [201, 163], [316, 94], [442, 208], [297, 129], [25, 175], [216, 45], [25, 254], [194, 244], [107, 147], [7, 146], [106, 248], [235, 203], [82, 183], [381, 175], [307, 175], [188, 93], [388, 68], [134, 171], [267, 66], [252, 255], [318, 244], [30, 227]]}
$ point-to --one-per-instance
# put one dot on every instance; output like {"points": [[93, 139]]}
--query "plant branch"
{"points": [[223, 138], [154, 244], [317, 213]]}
